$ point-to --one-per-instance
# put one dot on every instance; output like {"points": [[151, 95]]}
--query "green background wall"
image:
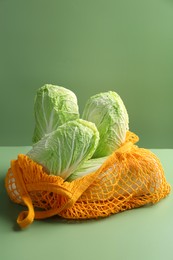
{"points": [[88, 46]]}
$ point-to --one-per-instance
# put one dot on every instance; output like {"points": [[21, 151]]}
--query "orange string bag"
{"points": [[131, 177]]}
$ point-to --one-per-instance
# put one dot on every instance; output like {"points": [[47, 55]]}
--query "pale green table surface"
{"points": [[145, 233]]}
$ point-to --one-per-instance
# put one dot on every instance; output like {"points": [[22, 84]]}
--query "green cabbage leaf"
{"points": [[64, 150], [89, 166], [53, 106], [109, 114]]}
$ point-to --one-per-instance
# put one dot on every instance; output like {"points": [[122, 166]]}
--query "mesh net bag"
{"points": [[131, 177]]}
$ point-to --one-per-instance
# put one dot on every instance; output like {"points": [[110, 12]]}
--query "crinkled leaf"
{"points": [[54, 106], [64, 150], [110, 116]]}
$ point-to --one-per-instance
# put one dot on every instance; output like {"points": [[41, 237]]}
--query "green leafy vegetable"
{"points": [[54, 106], [110, 116], [88, 167], [67, 148]]}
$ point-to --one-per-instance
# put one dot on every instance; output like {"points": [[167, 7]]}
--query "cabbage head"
{"points": [[64, 150], [110, 116], [53, 106]]}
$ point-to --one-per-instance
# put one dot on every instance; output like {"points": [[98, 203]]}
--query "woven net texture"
{"points": [[131, 177]]}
